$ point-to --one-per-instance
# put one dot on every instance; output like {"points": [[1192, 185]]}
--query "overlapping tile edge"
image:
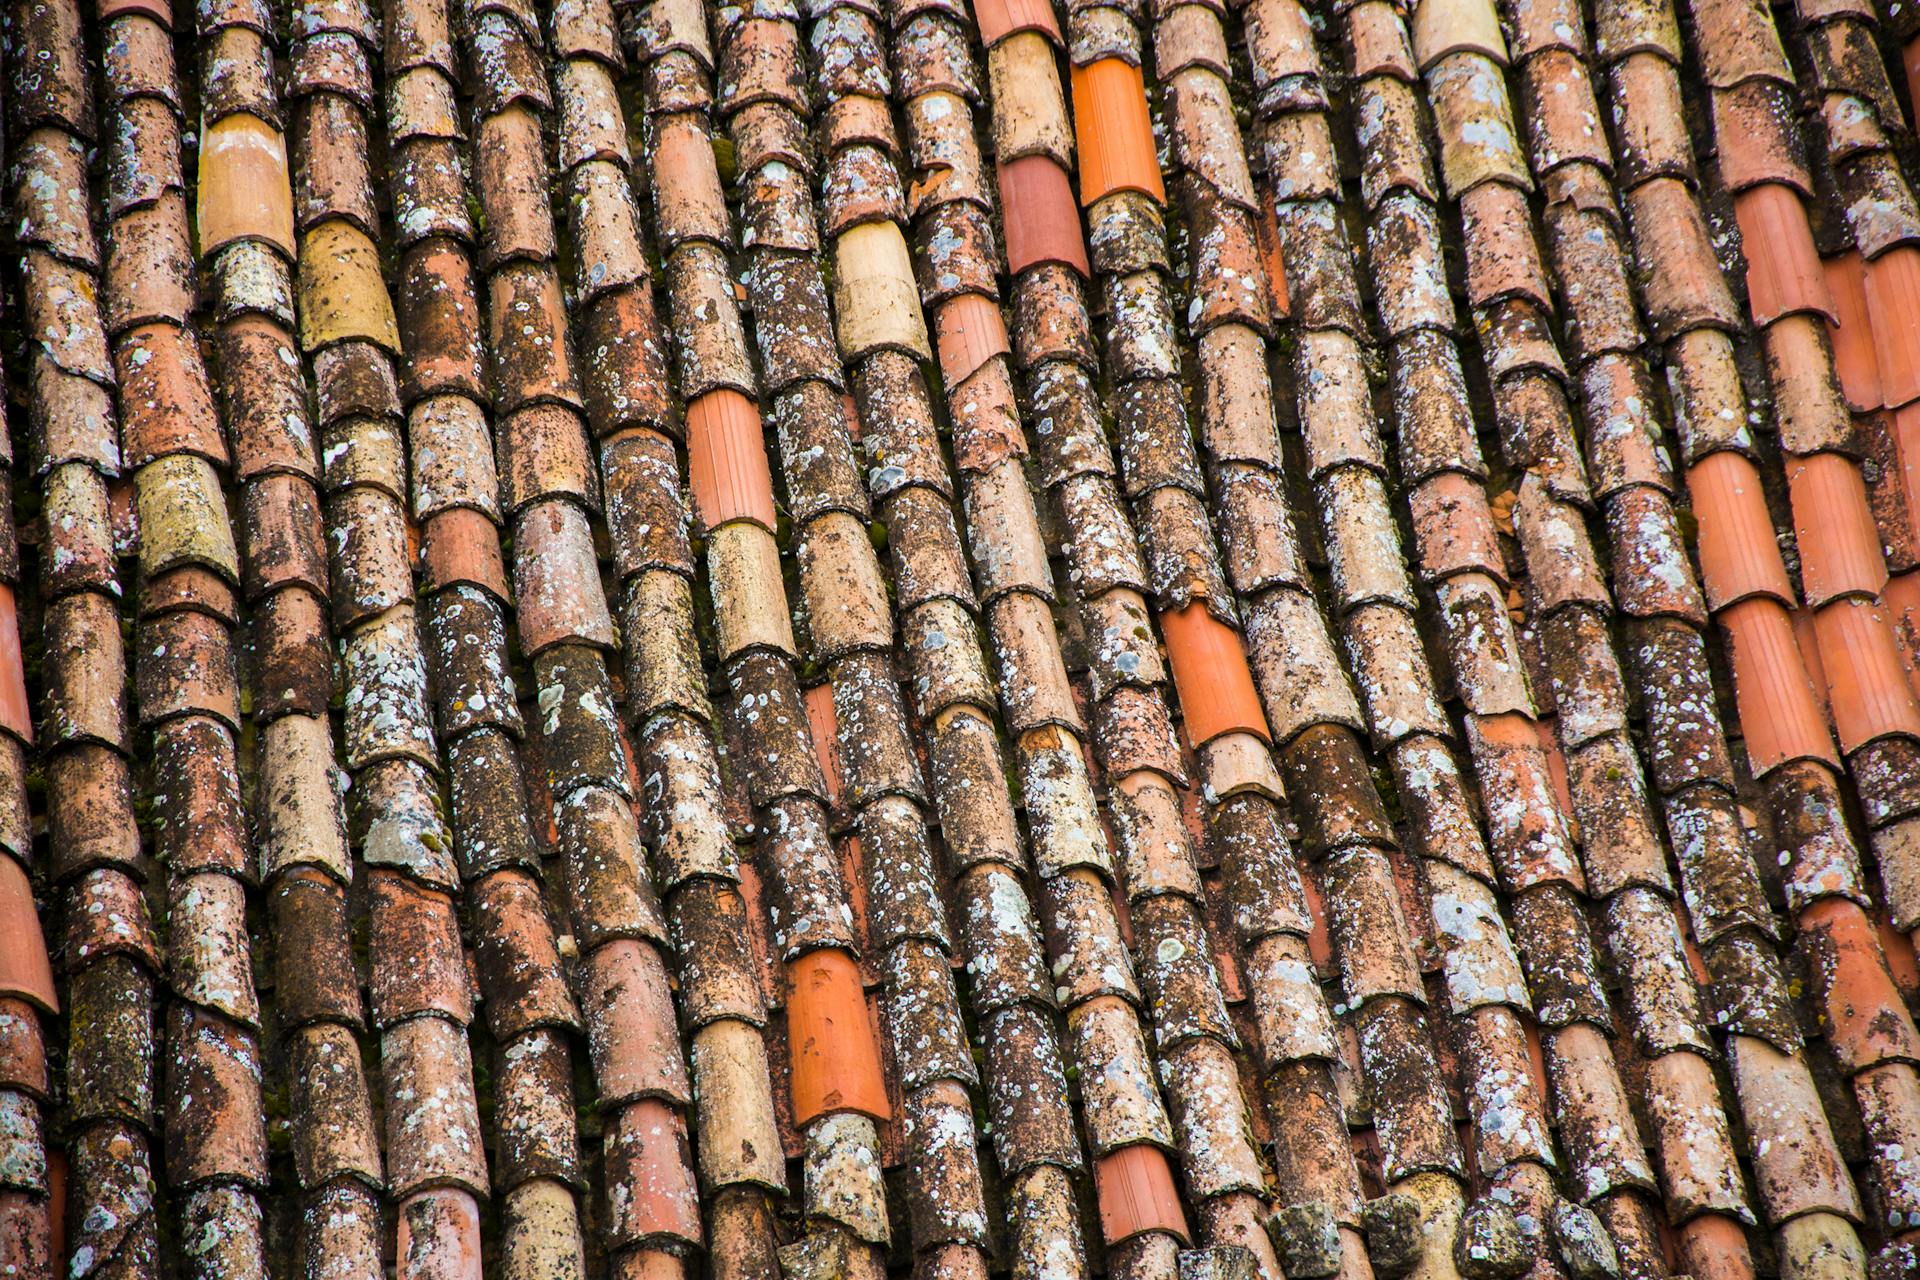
{"points": [[1225, 1003]]}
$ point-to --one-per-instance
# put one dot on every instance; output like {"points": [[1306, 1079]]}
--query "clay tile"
{"points": [[461, 545], [673, 25], [506, 63], [490, 821], [1738, 42], [510, 177], [343, 295], [1114, 134], [1865, 684], [622, 350], [143, 156], [1839, 543], [1859, 1005], [630, 1025], [1684, 286], [432, 1120], [1211, 676], [51, 197], [1441, 27], [585, 29], [25, 972], [202, 827], [1557, 95], [1453, 528], [939, 123], [245, 193], [216, 1063], [430, 192], [1783, 267], [1893, 286], [150, 274], [532, 360], [688, 201], [646, 512], [452, 456], [15, 715], [161, 11], [650, 1172], [422, 104], [545, 455], [165, 401], [1650, 126], [183, 665], [1474, 120], [1135, 1190], [301, 822], [63, 318], [1738, 555], [956, 252], [593, 125], [862, 185], [1777, 709], [1759, 137], [437, 1234], [1191, 35], [712, 351], [876, 299], [440, 322], [763, 62], [58, 94], [1854, 357], [1206, 138], [419, 965], [836, 1061], [999, 19], [557, 579], [727, 461], [1502, 256]]}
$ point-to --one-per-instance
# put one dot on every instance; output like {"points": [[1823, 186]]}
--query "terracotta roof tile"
{"points": [[1115, 138], [1783, 268]]}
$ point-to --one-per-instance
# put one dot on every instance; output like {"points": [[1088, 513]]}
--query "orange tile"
{"points": [[1839, 541], [1851, 331], [1784, 275], [1893, 305], [1860, 1006], [1906, 448], [836, 1055], [463, 545], [999, 19], [1556, 763], [1211, 676], [1902, 599], [16, 714], [968, 331], [1778, 713], [1871, 698], [821, 723], [1808, 641], [245, 193], [1267, 227], [1113, 131], [1041, 220], [727, 461], [1738, 555], [1901, 963], [1137, 1194], [25, 971]]}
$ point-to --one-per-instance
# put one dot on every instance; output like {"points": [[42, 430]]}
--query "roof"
{"points": [[841, 640]]}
